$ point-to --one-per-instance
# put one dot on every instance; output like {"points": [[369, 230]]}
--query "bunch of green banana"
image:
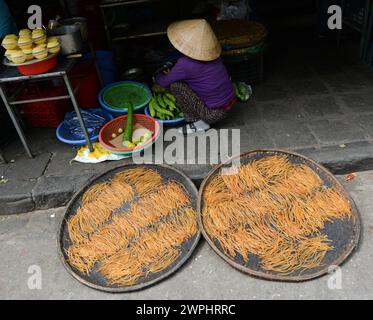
{"points": [[163, 106], [242, 90]]}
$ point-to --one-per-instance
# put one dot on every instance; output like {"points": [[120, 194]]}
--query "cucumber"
{"points": [[127, 136]]}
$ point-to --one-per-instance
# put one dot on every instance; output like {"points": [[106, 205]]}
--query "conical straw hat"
{"points": [[195, 39]]}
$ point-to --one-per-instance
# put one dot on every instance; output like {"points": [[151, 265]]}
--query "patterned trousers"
{"points": [[193, 107]]}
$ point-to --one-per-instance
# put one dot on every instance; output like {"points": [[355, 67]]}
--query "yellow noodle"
{"points": [[216, 190], [299, 181], [153, 251], [274, 166], [146, 238], [94, 192], [252, 177], [98, 203], [275, 210], [144, 179], [331, 204]]}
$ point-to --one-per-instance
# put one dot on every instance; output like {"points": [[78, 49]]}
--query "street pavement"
{"points": [[28, 244]]}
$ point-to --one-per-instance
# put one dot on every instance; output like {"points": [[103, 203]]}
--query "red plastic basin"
{"points": [[38, 67]]}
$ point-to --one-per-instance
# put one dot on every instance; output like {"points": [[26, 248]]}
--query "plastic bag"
{"points": [[92, 121], [242, 90], [233, 9], [98, 155]]}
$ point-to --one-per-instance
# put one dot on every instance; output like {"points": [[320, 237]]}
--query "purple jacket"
{"points": [[209, 80]]}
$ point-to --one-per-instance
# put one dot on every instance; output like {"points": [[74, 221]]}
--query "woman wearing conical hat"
{"points": [[199, 79]]}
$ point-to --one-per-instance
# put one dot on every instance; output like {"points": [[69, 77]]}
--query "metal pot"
{"points": [[81, 22], [133, 74], [70, 39]]}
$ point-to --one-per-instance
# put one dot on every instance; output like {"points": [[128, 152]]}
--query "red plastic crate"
{"points": [[87, 93], [44, 113]]}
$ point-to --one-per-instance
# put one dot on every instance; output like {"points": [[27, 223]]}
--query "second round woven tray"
{"points": [[343, 233]]}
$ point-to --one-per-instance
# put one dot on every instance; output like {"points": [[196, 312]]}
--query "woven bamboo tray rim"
{"points": [[341, 253]]}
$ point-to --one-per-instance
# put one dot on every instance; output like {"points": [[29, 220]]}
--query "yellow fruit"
{"points": [[40, 51], [53, 47], [41, 55], [27, 50], [25, 42], [9, 43], [53, 39], [29, 57], [11, 36], [39, 37], [38, 31], [24, 32], [39, 48], [19, 60], [10, 46], [9, 52], [18, 57]]}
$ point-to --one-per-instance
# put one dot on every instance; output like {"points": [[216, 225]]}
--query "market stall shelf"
{"points": [[158, 236], [279, 216], [12, 75]]}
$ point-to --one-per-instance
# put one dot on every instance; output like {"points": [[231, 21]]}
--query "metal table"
{"points": [[11, 75]]}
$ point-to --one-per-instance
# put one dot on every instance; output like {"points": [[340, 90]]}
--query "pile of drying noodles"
{"points": [[275, 210], [128, 244]]}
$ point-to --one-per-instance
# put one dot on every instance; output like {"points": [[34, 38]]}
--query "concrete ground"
{"points": [[29, 240]]}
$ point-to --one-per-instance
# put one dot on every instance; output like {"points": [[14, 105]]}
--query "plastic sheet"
{"points": [[92, 121]]}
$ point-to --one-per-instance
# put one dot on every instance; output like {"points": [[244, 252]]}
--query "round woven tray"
{"points": [[233, 34], [344, 233], [244, 51], [95, 280]]}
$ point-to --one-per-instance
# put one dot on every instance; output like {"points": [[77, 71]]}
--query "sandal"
{"points": [[190, 128]]}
